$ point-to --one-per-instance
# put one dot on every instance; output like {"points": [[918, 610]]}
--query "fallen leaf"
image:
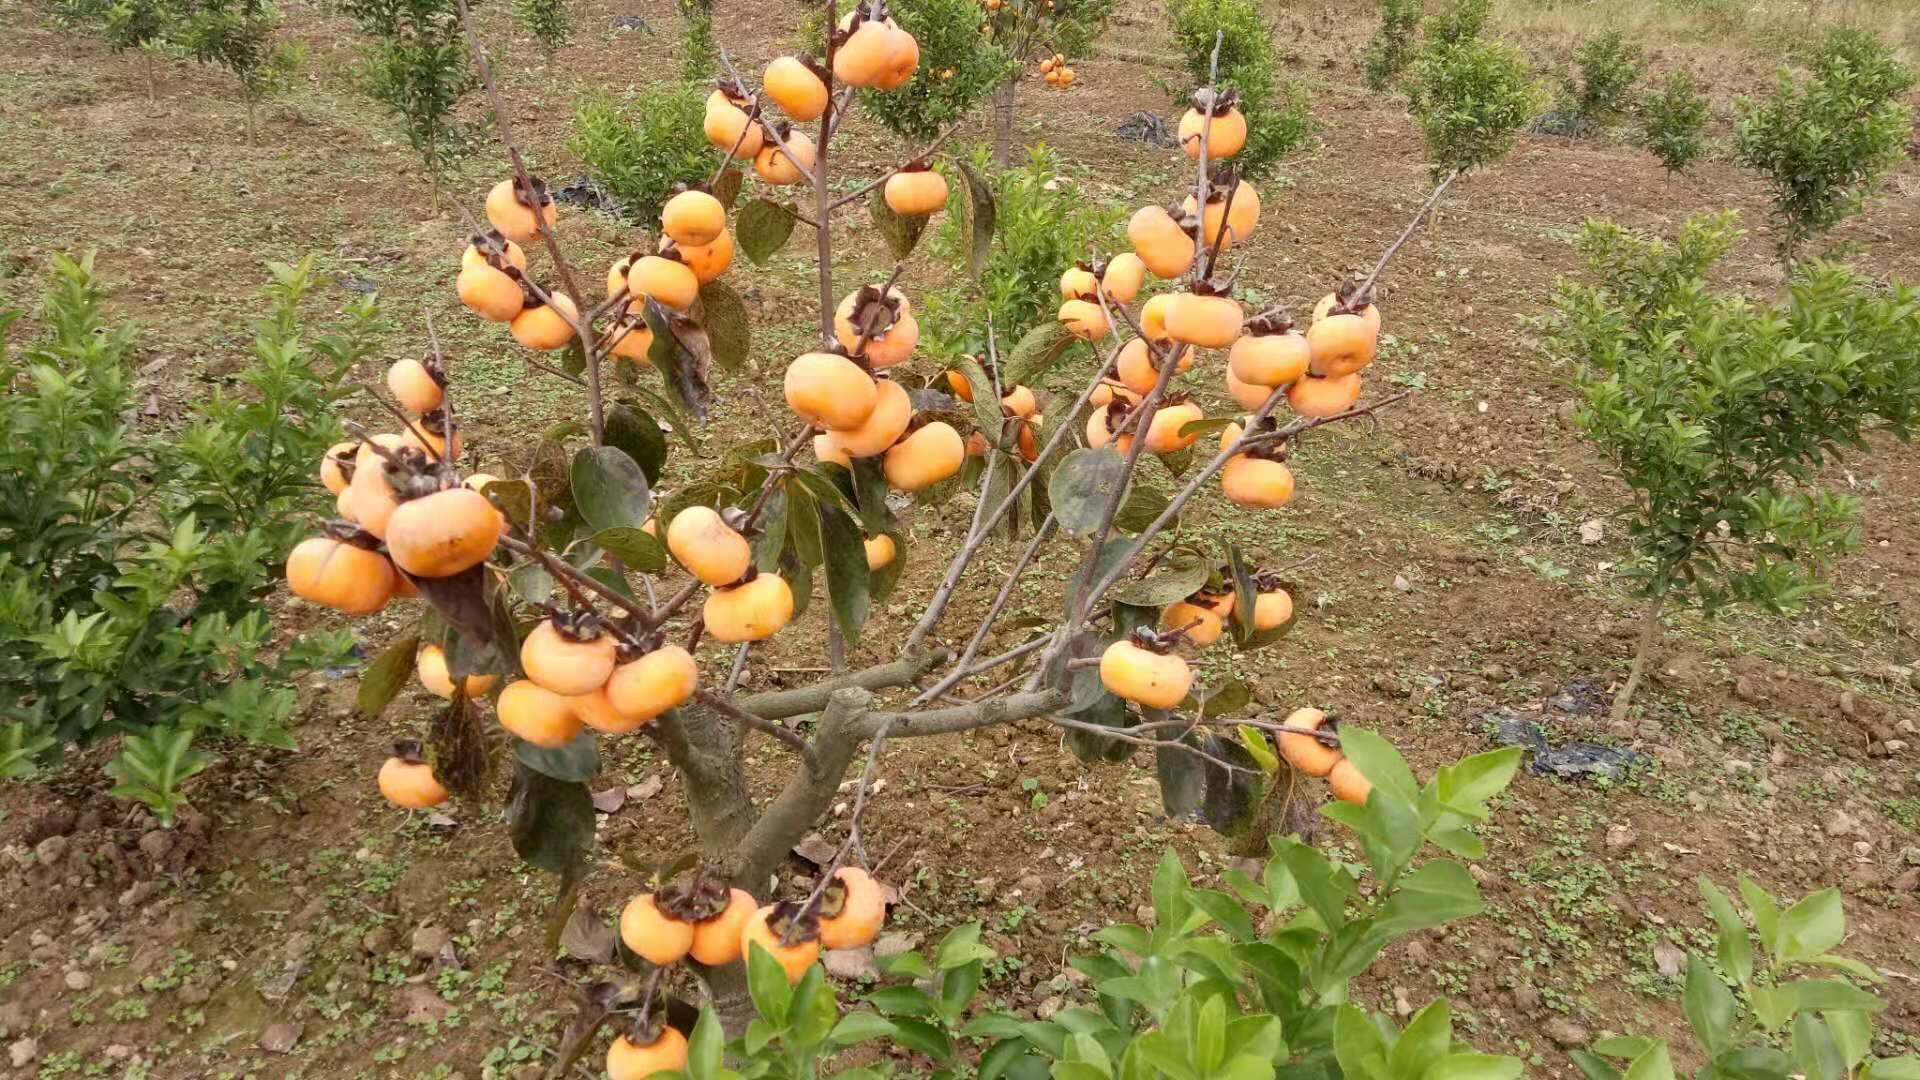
{"points": [[646, 789], [587, 936], [610, 800], [816, 849]]}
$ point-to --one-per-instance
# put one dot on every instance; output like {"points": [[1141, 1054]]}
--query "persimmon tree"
{"points": [[572, 600], [1043, 35]]}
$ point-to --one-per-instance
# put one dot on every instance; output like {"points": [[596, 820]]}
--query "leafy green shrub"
{"points": [[1469, 96], [1673, 122], [1610, 66], [641, 160], [1461, 22], [699, 53], [1040, 225], [547, 21], [1720, 413], [133, 569], [1823, 143], [1394, 44], [418, 67], [1278, 116], [958, 68], [238, 35]]}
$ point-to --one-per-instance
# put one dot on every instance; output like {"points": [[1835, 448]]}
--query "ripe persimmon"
{"points": [[444, 533], [630, 1060], [1342, 344], [851, 910], [414, 386], [537, 714], [645, 687], [866, 57], [1347, 784], [751, 611], [796, 87], [1220, 603], [1226, 133], [693, 217], [1271, 608], [1136, 370], [1312, 396], [595, 710], [342, 575], [632, 338], [568, 662], [1101, 424], [894, 307], [1162, 245], [1269, 360], [1201, 625], [959, 385], [976, 444], [789, 162], [717, 940], [1247, 395], [880, 551], [511, 253], [769, 925], [830, 390], [1108, 391], [903, 58], [435, 436], [1084, 319], [892, 411], [669, 281], [1123, 277], [711, 550], [1257, 482], [729, 128], [1211, 322], [1165, 436], [431, 665], [1137, 673], [513, 217], [825, 450], [336, 468], [1304, 752], [925, 457], [1027, 439], [490, 293], [1236, 216], [1020, 401], [408, 781], [916, 193], [1078, 283], [654, 935], [707, 261], [895, 346], [1370, 313], [546, 326]]}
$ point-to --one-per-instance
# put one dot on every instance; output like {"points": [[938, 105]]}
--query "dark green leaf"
{"points": [[634, 430], [550, 821], [386, 676], [635, 547], [1037, 351], [1183, 780], [578, 761], [845, 552], [1082, 488], [762, 228], [609, 488], [729, 331], [978, 213], [901, 233], [727, 188], [1169, 582]]}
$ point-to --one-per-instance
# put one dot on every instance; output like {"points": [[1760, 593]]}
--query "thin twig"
{"points": [[960, 668], [1360, 294], [827, 873], [938, 141]]}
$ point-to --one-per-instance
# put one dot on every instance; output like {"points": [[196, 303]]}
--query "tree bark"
{"points": [[785, 820], [1003, 122], [783, 704], [1649, 630], [704, 747]]}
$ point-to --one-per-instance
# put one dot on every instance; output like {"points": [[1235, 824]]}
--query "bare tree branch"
{"points": [[782, 704]]}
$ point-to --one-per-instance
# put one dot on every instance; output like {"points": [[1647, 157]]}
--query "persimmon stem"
{"points": [[1366, 284], [570, 576], [822, 203], [1200, 179]]}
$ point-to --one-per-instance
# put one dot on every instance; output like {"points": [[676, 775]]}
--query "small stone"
{"points": [[1737, 767], [1525, 998], [118, 1051], [1766, 786], [1567, 1034], [429, 941], [79, 980], [419, 1004], [1839, 824], [13, 1017], [1620, 837], [1049, 1008], [1849, 705], [1402, 1008], [157, 844], [1401, 584], [1669, 959], [22, 1052], [893, 943], [1748, 689], [1862, 849], [1592, 531], [279, 1038], [377, 941], [50, 850], [852, 964], [194, 994]]}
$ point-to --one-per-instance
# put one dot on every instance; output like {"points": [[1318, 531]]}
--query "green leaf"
{"points": [[634, 547], [1709, 1006], [707, 1046], [1814, 1050], [1358, 1044], [858, 1027], [1655, 1064], [1734, 950], [1470, 1066], [386, 677], [550, 821], [609, 488], [962, 945], [1426, 1038], [729, 330], [1811, 927], [1037, 352], [1467, 784], [762, 228], [577, 761], [901, 233], [978, 213], [1906, 1067], [21, 744], [1254, 741], [844, 549], [635, 431], [897, 1001], [1172, 581], [1381, 764], [1083, 485], [767, 984], [924, 1037], [1170, 890], [989, 417], [1226, 911], [150, 768]]}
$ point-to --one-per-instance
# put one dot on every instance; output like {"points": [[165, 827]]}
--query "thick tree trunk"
{"points": [[1003, 123], [1649, 630]]}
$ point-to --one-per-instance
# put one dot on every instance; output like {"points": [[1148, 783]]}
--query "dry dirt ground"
{"points": [[295, 925]]}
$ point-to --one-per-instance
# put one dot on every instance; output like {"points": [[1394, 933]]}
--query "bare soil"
{"points": [[1449, 580]]}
